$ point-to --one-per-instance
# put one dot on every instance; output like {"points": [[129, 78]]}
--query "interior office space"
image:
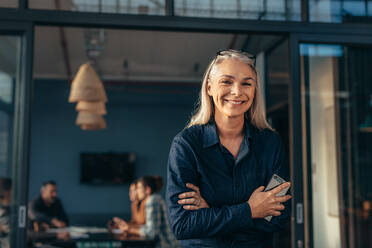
{"points": [[313, 57]]}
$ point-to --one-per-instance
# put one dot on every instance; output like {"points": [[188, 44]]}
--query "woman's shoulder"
{"points": [[266, 135], [191, 134]]}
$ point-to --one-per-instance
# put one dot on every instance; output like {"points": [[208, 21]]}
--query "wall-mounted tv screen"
{"points": [[107, 168]]}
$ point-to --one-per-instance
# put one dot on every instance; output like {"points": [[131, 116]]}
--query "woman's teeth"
{"points": [[234, 102]]}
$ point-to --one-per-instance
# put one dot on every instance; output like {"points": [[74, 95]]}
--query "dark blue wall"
{"points": [[141, 119]]}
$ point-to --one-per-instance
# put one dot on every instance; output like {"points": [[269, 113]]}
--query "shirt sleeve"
{"points": [[280, 168], [201, 223], [35, 213], [62, 216], [153, 222]]}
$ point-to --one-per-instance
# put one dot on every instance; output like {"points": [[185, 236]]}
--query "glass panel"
{"points": [[277, 108], [9, 58], [339, 10], [143, 7], [9, 4], [146, 82], [338, 95], [240, 9]]}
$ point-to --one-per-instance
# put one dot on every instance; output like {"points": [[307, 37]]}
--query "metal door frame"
{"points": [[21, 127], [300, 158]]}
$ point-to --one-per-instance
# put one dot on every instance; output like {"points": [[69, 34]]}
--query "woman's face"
{"points": [[232, 86], [132, 192], [141, 191]]}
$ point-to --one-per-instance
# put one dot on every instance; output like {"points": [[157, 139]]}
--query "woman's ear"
{"points": [[209, 87]]}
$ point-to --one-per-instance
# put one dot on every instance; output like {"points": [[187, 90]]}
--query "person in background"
{"points": [[137, 206], [5, 199], [156, 226], [46, 211]]}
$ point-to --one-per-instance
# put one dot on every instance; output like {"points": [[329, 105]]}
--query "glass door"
{"points": [[15, 81], [336, 92], [9, 71]]}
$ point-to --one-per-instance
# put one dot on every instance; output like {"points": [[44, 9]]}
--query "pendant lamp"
{"points": [[87, 86], [93, 107], [90, 121]]}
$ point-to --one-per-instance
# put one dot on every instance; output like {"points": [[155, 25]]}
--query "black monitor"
{"points": [[107, 168]]}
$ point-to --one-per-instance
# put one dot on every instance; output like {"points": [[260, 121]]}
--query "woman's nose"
{"points": [[236, 89]]}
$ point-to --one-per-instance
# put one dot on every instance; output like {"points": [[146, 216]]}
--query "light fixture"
{"points": [[93, 107], [87, 86], [90, 121]]}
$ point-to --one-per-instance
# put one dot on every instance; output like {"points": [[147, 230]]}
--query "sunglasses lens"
{"points": [[250, 56]]}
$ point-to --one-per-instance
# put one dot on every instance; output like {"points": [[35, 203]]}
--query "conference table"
{"points": [[94, 237]]}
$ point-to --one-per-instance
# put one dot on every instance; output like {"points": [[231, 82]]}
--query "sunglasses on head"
{"points": [[248, 55]]}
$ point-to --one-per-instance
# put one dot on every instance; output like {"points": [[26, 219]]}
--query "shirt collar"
{"points": [[211, 136]]}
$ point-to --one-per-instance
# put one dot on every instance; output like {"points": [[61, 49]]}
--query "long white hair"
{"points": [[205, 106]]}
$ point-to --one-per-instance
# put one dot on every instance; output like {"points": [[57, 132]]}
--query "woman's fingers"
{"points": [[259, 189], [275, 213], [278, 207], [117, 220], [192, 200], [191, 207], [283, 198], [188, 201], [193, 187], [187, 195], [280, 188]]}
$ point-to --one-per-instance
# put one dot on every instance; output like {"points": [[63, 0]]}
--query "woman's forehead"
{"points": [[233, 68]]}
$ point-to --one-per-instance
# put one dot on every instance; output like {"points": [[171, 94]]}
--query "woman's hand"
{"points": [[267, 203], [121, 224], [192, 200]]}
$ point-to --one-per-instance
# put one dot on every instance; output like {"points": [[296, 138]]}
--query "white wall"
{"points": [[326, 217]]}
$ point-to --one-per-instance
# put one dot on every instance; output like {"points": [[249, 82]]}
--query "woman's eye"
{"points": [[226, 82], [247, 84]]}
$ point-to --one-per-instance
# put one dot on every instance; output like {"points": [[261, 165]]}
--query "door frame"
{"points": [[299, 142], [21, 127]]}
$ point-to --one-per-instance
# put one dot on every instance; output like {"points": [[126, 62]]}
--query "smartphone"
{"points": [[274, 182]]}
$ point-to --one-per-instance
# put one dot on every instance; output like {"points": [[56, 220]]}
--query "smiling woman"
{"points": [[218, 165], [232, 87]]}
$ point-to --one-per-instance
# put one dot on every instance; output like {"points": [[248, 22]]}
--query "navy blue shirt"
{"points": [[197, 156]]}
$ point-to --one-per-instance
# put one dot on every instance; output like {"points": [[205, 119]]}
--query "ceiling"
{"points": [[150, 56]]}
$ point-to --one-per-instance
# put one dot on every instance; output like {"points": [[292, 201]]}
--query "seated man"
{"points": [[46, 211]]}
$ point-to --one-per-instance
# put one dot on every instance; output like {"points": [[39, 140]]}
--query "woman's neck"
{"points": [[229, 128]]}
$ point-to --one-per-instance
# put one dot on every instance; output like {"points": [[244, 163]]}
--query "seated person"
{"points": [[137, 206], [156, 226], [46, 211], [5, 199]]}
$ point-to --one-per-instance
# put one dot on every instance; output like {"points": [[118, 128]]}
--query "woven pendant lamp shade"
{"points": [[93, 107], [87, 86], [90, 121], [93, 127]]}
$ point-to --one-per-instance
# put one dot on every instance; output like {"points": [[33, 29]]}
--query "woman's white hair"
{"points": [[205, 106]]}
